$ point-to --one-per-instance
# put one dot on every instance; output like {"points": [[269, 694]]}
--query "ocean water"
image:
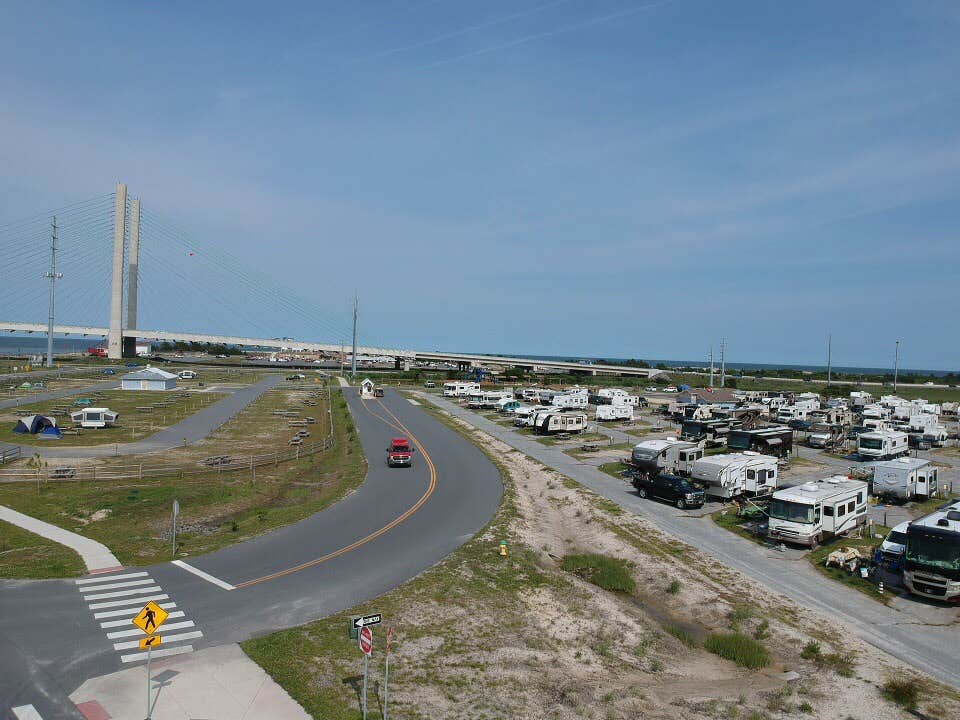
{"points": [[37, 344]]}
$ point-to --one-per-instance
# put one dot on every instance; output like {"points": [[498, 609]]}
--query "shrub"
{"points": [[739, 648], [741, 612], [806, 707], [682, 635], [762, 631], [841, 663], [811, 651], [905, 692], [606, 572], [674, 588]]}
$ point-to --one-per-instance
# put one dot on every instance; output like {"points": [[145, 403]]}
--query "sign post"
{"points": [[386, 674], [366, 647], [176, 512], [149, 620]]}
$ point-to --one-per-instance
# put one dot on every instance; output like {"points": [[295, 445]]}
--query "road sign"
{"points": [[365, 620], [150, 618], [366, 640], [150, 642]]}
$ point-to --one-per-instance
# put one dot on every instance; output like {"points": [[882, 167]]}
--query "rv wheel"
{"points": [[642, 491], [817, 539], [681, 504]]}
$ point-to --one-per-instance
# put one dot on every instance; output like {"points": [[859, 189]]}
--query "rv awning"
{"points": [[774, 441]]}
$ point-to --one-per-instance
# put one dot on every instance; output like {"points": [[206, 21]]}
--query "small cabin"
{"points": [[149, 378]]}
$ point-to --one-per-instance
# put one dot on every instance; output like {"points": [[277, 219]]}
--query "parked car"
{"points": [[378, 392], [892, 547], [297, 376], [672, 488], [109, 371], [670, 388]]}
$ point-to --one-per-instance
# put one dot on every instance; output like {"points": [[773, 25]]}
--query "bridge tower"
{"points": [[115, 332], [133, 261]]}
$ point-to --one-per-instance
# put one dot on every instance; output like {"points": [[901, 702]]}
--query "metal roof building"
{"points": [[149, 378]]}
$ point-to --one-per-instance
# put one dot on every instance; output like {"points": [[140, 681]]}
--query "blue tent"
{"points": [[51, 432], [33, 424]]}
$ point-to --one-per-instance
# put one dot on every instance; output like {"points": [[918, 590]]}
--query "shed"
{"points": [[149, 378], [366, 388]]}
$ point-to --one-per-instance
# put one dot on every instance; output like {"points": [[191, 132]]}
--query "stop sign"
{"points": [[366, 640]]}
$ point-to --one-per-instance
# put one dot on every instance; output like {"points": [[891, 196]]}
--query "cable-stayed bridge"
{"points": [[111, 257]]}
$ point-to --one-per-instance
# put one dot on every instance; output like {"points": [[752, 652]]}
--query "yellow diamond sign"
{"points": [[150, 642], [150, 618]]}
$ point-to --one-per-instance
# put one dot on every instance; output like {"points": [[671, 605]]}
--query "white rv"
{"points": [[936, 436], [614, 412], [91, 417], [905, 478], [571, 400], [615, 396], [487, 399], [882, 444], [530, 394], [668, 455], [458, 388], [187, 374], [806, 514], [931, 563], [734, 474], [557, 422]]}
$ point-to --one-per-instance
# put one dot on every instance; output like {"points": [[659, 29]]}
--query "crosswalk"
{"points": [[115, 599]]}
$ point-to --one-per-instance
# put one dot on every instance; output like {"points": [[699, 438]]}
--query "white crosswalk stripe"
{"points": [[116, 599], [26, 712]]}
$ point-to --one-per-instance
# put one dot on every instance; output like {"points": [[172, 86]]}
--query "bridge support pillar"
{"points": [[115, 332], [133, 262]]}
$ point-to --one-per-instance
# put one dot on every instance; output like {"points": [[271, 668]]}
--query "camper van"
{"points": [[548, 423], [712, 432], [775, 440], [614, 412], [931, 564], [459, 388], [669, 455], [882, 444], [905, 479], [806, 514], [735, 474]]}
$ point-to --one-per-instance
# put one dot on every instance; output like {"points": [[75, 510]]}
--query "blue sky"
{"points": [[601, 177]]}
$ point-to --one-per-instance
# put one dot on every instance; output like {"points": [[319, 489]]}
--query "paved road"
{"points": [[906, 629], [397, 524], [58, 394], [188, 431]]}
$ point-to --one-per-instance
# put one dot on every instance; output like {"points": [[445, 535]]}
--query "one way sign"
{"points": [[363, 621]]}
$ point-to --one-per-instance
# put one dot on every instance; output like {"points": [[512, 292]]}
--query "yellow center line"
{"points": [[376, 533]]}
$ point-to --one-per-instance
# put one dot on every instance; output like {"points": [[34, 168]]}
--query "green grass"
{"points": [[919, 509], [681, 634], [842, 663], [735, 646], [605, 572], [728, 519], [853, 580], [25, 555], [904, 692], [216, 510], [614, 469]]}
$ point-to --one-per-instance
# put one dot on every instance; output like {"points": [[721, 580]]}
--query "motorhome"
{"points": [[859, 399], [882, 444], [932, 559], [614, 412], [775, 440], [556, 422], [712, 432], [668, 455], [458, 388], [826, 435], [806, 514], [530, 394], [905, 479], [91, 417], [487, 399], [735, 474]]}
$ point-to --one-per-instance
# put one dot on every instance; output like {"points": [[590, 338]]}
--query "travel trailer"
{"points": [[187, 374], [735, 474], [712, 432], [614, 412], [613, 396], [858, 399], [571, 399], [549, 423], [882, 444], [931, 564], [775, 440], [459, 388], [669, 455], [905, 479], [806, 514]]}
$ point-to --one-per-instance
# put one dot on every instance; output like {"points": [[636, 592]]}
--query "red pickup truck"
{"points": [[400, 453]]}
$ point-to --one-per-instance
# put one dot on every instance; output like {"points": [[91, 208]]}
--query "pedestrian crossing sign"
{"points": [[150, 618], [150, 642]]}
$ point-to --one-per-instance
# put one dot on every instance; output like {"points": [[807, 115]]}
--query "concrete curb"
{"points": [[96, 556]]}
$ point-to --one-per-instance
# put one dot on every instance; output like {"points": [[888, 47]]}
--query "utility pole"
{"points": [[723, 361], [711, 366], [53, 276], [353, 363], [896, 366], [829, 357]]}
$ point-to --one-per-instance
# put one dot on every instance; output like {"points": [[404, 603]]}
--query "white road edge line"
{"points": [[131, 614], [201, 574], [105, 578], [162, 652], [26, 712], [176, 637]]}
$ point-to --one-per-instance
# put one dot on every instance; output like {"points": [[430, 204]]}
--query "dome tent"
{"points": [[34, 424]]}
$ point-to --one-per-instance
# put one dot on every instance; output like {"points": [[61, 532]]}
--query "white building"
{"points": [[149, 378]]}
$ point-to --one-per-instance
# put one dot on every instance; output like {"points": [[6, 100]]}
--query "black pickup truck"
{"points": [[672, 488]]}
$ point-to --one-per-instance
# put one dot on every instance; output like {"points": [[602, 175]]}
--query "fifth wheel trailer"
{"points": [[734, 474], [776, 440], [614, 412], [669, 455]]}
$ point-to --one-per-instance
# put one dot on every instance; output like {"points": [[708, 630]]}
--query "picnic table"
{"points": [[590, 447]]}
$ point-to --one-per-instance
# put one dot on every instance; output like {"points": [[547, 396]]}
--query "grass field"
{"points": [[133, 518], [25, 555], [865, 545]]}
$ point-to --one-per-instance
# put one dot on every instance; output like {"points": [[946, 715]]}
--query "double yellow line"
{"points": [[376, 533]]}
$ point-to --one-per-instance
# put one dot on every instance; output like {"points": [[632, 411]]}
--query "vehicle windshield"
{"points": [[871, 443], [791, 511], [644, 454], [897, 538], [401, 448], [934, 551]]}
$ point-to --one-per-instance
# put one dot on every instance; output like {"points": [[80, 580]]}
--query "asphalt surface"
{"points": [[188, 431], [925, 635], [58, 394], [398, 523]]}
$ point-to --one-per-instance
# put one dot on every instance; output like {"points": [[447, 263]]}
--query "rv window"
{"points": [[851, 505], [698, 455], [841, 510], [816, 515], [828, 511], [859, 498], [751, 475]]}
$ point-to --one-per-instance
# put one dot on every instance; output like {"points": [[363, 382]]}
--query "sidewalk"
{"points": [[96, 556], [219, 683]]}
